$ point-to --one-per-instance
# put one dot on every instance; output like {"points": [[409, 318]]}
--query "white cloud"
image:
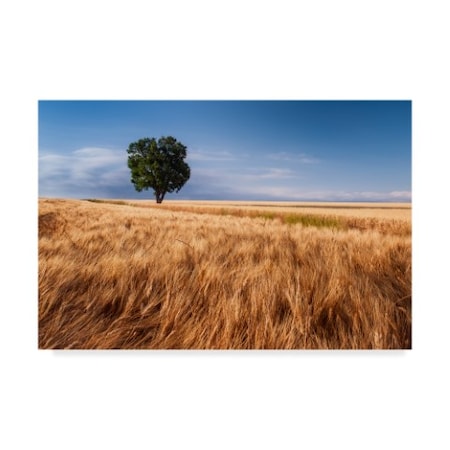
{"points": [[103, 172], [375, 196], [242, 177], [95, 156], [207, 155], [273, 192], [369, 196], [301, 158], [278, 184], [401, 195], [271, 174], [295, 194], [85, 171]]}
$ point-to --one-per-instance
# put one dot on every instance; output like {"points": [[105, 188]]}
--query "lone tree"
{"points": [[158, 165]]}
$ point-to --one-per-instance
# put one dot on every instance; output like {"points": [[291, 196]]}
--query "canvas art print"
{"points": [[231, 225]]}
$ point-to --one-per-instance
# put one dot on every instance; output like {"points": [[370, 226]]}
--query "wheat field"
{"points": [[217, 275]]}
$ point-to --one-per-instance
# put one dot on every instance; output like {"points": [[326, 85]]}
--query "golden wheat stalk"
{"points": [[115, 276]]}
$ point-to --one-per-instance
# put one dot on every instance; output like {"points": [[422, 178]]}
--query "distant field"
{"points": [[394, 218], [224, 275], [400, 211]]}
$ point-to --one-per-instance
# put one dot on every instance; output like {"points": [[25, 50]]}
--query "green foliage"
{"points": [[267, 215], [312, 221], [158, 165]]}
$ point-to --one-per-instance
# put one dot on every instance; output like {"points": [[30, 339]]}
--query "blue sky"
{"points": [[237, 150]]}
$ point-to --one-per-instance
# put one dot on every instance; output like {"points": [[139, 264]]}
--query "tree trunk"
{"points": [[159, 196]]}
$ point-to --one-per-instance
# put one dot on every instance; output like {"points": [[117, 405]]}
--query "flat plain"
{"points": [[128, 274]]}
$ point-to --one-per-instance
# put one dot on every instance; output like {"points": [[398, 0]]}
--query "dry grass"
{"points": [[121, 276]]}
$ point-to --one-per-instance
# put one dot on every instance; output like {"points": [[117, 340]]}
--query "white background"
{"points": [[224, 50]]}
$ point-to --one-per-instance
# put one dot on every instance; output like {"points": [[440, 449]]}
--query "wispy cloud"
{"points": [[273, 185], [87, 171], [270, 174], [208, 155], [294, 194], [301, 158], [370, 196], [401, 195], [103, 172]]}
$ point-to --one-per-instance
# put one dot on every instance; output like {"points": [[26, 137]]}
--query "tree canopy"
{"points": [[158, 165]]}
